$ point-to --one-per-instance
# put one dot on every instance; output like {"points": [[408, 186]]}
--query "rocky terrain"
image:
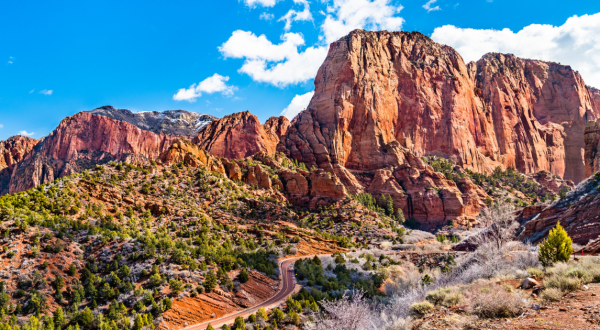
{"points": [[172, 122]]}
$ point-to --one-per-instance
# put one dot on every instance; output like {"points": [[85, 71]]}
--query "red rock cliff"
{"points": [[14, 149], [376, 89], [81, 142], [240, 135]]}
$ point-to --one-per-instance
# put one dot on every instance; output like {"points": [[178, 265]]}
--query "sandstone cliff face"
{"points": [[241, 135], [538, 111], [14, 149], [380, 90], [592, 145], [80, 142]]}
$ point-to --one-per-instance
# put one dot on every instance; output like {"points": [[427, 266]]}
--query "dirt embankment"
{"points": [[205, 307]]}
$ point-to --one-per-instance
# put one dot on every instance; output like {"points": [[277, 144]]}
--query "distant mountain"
{"points": [[173, 122]]}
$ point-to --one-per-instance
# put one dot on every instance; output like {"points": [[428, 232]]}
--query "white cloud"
{"points": [[46, 91], [428, 5], [293, 16], [267, 16], [10, 62], [210, 85], [299, 103], [264, 3], [31, 91], [25, 133], [575, 43], [346, 15], [243, 44], [1, 126], [280, 64]]}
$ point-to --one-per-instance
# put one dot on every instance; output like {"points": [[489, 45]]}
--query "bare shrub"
{"points": [[492, 301], [551, 295], [386, 246], [421, 308], [350, 312]]}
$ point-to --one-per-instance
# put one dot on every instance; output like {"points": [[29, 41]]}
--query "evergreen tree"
{"points": [[239, 323], [210, 327], [244, 276], [210, 281], [557, 247]]}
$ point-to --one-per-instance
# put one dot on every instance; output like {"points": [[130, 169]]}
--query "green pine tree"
{"points": [[557, 247]]}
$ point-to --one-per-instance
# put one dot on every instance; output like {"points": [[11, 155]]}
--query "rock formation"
{"points": [[174, 122], [80, 142], [592, 145], [378, 91], [240, 135], [182, 150], [14, 149]]}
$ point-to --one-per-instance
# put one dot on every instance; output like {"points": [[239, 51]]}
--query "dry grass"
{"points": [[539, 273], [493, 301], [563, 283], [445, 297], [551, 295]]}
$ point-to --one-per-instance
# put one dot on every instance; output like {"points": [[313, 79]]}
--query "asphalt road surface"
{"points": [[287, 287]]}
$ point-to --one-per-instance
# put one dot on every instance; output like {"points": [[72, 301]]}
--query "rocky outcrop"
{"points": [[173, 122], [14, 149], [80, 142], [241, 135], [277, 126], [182, 150], [592, 145], [378, 91]]}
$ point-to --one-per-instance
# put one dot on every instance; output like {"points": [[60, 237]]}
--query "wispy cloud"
{"points": [[293, 15], [46, 91], [430, 3], [31, 91], [10, 60], [25, 133], [264, 3], [1, 126], [267, 16]]}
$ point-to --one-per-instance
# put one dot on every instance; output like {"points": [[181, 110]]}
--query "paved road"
{"points": [[287, 287]]}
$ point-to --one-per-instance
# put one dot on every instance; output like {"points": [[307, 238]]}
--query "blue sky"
{"points": [[218, 57]]}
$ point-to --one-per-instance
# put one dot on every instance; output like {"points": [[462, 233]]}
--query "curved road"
{"points": [[287, 287]]}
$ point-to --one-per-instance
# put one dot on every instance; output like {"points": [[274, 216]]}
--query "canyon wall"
{"points": [[377, 91]]}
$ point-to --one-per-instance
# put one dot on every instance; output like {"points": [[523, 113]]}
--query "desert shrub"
{"points": [[535, 272], [557, 247], [444, 296], [551, 295], [421, 308], [563, 282], [492, 301]]}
